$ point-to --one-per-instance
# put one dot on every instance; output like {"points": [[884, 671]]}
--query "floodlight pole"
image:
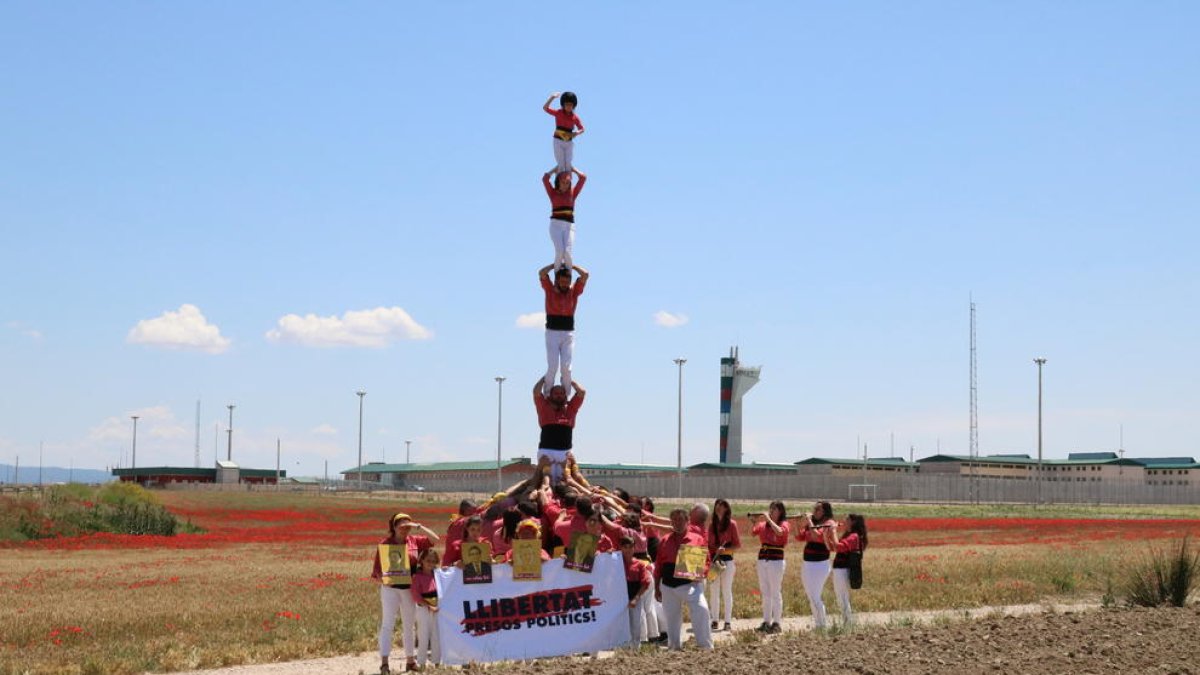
{"points": [[135, 419], [1040, 362], [499, 428], [679, 428], [361, 394]]}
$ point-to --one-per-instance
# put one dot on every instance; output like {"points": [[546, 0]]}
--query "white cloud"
{"points": [[531, 320], [668, 320], [324, 430], [156, 422], [25, 329], [363, 328], [183, 329]]}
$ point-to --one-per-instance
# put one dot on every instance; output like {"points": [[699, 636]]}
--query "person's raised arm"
{"points": [[580, 182], [546, 182], [583, 274], [579, 390], [433, 537], [544, 273], [546, 105], [537, 389]]}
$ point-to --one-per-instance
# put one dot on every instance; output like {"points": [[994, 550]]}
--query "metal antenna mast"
{"points": [[197, 460], [974, 439]]}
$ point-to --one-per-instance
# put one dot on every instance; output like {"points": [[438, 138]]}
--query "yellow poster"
{"points": [[527, 560], [477, 563], [393, 560], [689, 562], [581, 554]]}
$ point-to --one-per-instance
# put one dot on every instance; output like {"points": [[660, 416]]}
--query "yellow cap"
{"points": [[400, 516], [529, 524]]}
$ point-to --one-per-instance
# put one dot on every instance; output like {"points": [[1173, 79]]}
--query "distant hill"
{"points": [[52, 474]]}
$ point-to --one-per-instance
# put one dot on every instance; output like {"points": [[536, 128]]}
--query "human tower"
{"points": [[558, 402]]}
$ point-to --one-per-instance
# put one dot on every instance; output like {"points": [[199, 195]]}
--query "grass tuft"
{"points": [[1165, 578]]}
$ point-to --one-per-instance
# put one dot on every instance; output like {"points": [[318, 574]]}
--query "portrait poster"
{"points": [[393, 561], [690, 562], [526, 560], [477, 562], [581, 554]]}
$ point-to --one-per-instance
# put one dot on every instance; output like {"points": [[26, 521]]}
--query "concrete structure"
{"points": [[231, 474], [444, 476], [817, 466], [736, 380]]}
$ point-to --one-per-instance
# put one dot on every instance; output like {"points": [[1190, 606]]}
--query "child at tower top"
{"points": [[565, 124]]}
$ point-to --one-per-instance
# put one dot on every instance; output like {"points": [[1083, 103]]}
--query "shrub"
{"points": [[1167, 577]]}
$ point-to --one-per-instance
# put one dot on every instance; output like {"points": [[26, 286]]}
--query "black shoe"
{"points": [[714, 625], [764, 627], [728, 627], [662, 637], [384, 669], [776, 628]]}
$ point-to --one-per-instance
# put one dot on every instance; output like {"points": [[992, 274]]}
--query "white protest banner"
{"points": [[566, 612]]}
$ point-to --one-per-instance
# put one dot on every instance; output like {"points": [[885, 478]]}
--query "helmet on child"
{"points": [[568, 97]]}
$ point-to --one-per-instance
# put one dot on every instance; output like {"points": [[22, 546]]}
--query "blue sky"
{"points": [[823, 185]]}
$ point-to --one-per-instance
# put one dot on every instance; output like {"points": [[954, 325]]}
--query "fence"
{"points": [[912, 488]]}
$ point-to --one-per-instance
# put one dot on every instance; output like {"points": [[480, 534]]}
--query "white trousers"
{"points": [[673, 600], [564, 155], [841, 586], [562, 235], [722, 589], [397, 600], [560, 348], [770, 587], [657, 623], [813, 576], [558, 466], [637, 620], [427, 636]]}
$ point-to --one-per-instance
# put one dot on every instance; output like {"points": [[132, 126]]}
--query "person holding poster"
{"points": [[395, 559], [638, 578], [473, 534], [424, 593], [723, 540], [527, 555], [679, 579]]}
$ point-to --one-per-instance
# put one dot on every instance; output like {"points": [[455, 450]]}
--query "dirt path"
{"points": [[1017, 638]]}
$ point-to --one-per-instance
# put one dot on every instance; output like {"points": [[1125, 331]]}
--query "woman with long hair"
{"points": [[852, 540], [723, 540], [394, 594], [817, 531], [772, 529]]}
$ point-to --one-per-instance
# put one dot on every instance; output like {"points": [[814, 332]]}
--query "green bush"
{"points": [[74, 510], [1167, 577]]}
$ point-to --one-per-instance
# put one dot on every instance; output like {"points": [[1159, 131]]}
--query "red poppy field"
{"points": [[283, 576]]}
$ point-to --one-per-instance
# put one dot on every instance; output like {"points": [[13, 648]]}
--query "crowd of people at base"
{"points": [[648, 543]]}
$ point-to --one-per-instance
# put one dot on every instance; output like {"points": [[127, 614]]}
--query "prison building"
{"points": [[227, 473], [819, 466]]}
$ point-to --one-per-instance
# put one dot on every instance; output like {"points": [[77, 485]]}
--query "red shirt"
{"points": [[500, 545], [669, 549], [564, 527], [729, 538], [699, 530], [422, 583], [616, 532], [848, 543], [548, 413], [417, 544], [562, 204], [815, 534], [561, 303], [768, 537], [454, 551], [604, 544], [638, 571], [564, 120]]}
